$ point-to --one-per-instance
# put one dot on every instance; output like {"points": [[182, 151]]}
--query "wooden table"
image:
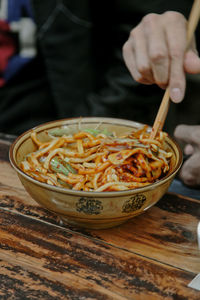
{"points": [[153, 256]]}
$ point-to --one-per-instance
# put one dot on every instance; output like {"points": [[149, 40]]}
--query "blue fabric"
{"points": [[178, 187], [16, 9], [15, 63]]}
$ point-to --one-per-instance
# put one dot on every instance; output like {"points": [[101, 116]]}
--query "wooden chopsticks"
{"points": [[164, 106]]}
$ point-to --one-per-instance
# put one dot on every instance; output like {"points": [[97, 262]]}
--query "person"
{"points": [[190, 136], [63, 58], [156, 53]]}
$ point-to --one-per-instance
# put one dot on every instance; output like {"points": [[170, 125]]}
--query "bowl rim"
{"points": [[26, 135]]}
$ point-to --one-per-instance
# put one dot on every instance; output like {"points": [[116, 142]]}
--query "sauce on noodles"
{"points": [[94, 160]]}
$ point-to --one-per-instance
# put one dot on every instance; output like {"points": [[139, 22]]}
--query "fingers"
{"points": [[188, 134], [176, 38], [192, 62], [129, 58], [145, 52], [155, 53], [190, 171], [189, 149], [141, 55], [130, 61], [157, 48]]}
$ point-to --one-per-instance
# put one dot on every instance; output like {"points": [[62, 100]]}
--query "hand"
{"points": [[190, 171], [155, 53]]}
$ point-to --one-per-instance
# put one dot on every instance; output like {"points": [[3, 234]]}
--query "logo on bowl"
{"points": [[134, 203], [89, 206]]}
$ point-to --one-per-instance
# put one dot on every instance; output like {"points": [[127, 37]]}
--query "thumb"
{"points": [[189, 134], [191, 62]]}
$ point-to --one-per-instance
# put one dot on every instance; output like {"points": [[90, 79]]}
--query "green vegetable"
{"points": [[60, 166], [95, 132], [57, 167], [66, 185], [66, 131], [69, 167], [59, 131]]}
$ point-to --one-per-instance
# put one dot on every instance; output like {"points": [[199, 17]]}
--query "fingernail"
{"points": [[176, 95]]}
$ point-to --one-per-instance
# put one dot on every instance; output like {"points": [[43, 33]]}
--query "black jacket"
{"points": [[79, 70]]}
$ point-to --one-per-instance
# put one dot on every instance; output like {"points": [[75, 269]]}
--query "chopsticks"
{"points": [[164, 106]]}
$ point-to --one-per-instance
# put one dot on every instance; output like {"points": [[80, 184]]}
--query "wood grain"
{"points": [[153, 256], [54, 254]]}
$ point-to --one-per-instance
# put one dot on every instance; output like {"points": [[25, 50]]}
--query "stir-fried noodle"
{"points": [[94, 160]]}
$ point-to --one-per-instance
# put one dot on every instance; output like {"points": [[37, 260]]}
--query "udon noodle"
{"points": [[95, 160]]}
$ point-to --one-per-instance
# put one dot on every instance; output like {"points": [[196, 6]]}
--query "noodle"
{"points": [[95, 160]]}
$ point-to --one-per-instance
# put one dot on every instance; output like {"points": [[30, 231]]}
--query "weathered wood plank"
{"points": [[20, 282], [166, 232], [38, 257]]}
